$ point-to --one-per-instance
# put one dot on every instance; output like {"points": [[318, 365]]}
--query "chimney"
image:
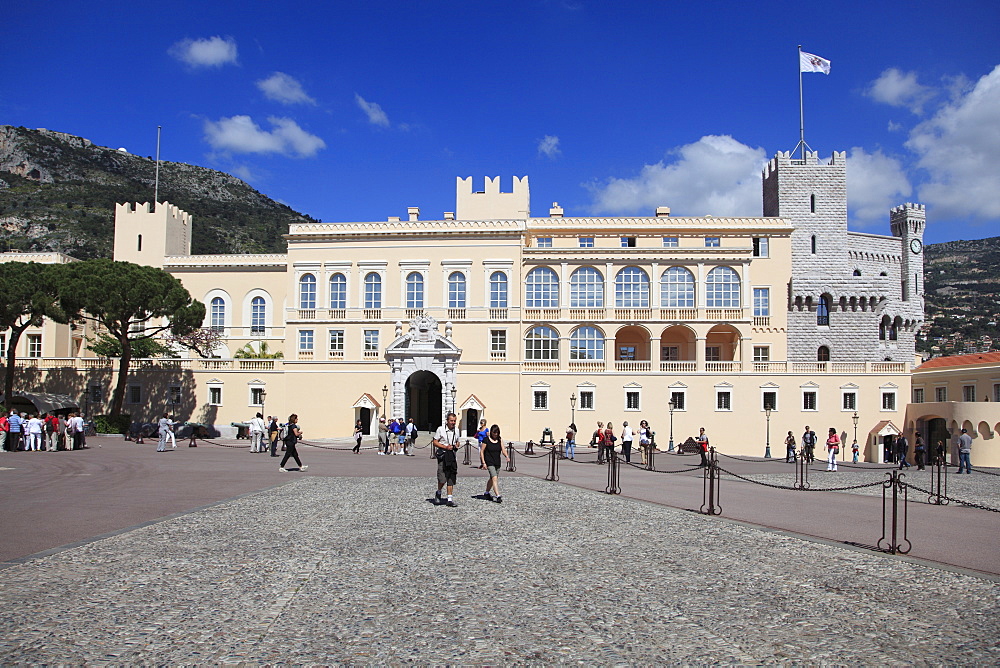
{"points": [[413, 212], [556, 211], [393, 219], [449, 215], [663, 212]]}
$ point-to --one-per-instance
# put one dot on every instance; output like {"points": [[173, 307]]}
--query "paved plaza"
{"points": [[351, 563]]}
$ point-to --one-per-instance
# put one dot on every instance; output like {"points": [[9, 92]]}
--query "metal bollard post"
{"points": [[510, 458], [562, 448], [890, 532], [465, 462], [939, 482], [801, 472], [711, 487], [614, 484], [529, 448], [650, 454], [553, 474]]}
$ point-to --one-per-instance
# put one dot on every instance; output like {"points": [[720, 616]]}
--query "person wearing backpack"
{"points": [[703, 443], [272, 434], [292, 435], [597, 440], [411, 438]]}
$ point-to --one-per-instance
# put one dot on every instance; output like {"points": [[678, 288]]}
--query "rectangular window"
{"points": [[678, 399], [769, 400], [850, 401], [306, 339], [3, 346], [996, 391], [888, 401], [336, 342], [760, 248], [34, 345], [541, 400], [626, 353], [134, 394], [371, 340], [762, 353], [808, 401], [544, 242], [762, 302], [670, 353], [723, 400], [95, 394], [215, 396], [586, 242], [628, 242], [498, 342], [940, 394], [712, 242], [631, 401], [968, 393], [256, 396], [670, 242], [586, 400], [918, 395], [713, 354]]}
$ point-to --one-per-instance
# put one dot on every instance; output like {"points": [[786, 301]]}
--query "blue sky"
{"points": [[354, 111]]}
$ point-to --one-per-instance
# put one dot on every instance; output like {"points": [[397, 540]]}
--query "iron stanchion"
{"points": [[801, 471], [510, 458], [939, 481], [553, 474], [890, 538], [529, 448], [650, 452], [614, 484], [562, 448], [468, 447], [711, 486]]}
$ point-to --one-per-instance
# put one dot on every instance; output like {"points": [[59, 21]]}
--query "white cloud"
{"points": [[875, 183], [900, 89], [244, 172], [239, 134], [211, 52], [958, 147], [285, 89], [374, 112], [549, 146], [715, 175], [894, 126]]}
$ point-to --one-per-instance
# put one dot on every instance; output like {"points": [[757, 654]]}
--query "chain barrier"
{"points": [[805, 489], [755, 461], [970, 504], [643, 468], [986, 472]]}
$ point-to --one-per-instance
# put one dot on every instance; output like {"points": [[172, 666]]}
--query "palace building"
{"points": [[750, 327]]}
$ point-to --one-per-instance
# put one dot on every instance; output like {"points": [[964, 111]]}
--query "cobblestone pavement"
{"points": [[978, 487], [352, 570]]}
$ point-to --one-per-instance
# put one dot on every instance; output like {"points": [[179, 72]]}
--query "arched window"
{"points": [[373, 290], [883, 328], [632, 288], [498, 290], [307, 291], [823, 311], [677, 288], [541, 343], [456, 290], [822, 354], [586, 288], [338, 291], [258, 315], [414, 290], [218, 313], [542, 289], [894, 328], [586, 343], [857, 272], [722, 288]]}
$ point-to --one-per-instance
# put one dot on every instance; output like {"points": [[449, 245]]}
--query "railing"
{"points": [[336, 354], [729, 366], [373, 314], [547, 365], [586, 366], [337, 314], [723, 314], [305, 355], [762, 321], [770, 367], [810, 367], [581, 314], [456, 314], [498, 356], [372, 354], [307, 314], [498, 314], [674, 366], [635, 366], [848, 367], [888, 367], [216, 365], [412, 313], [641, 314], [255, 365], [678, 314], [541, 314]]}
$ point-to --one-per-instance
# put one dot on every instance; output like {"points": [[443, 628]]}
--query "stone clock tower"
{"points": [[907, 222]]}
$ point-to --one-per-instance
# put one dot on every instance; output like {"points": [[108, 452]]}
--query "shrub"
{"points": [[112, 424]]}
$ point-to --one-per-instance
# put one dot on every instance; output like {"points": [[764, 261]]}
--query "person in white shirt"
{"points": [[165, 426], [75, 428], [627, 437], [445, 445], [35, 429], [257, 429]]}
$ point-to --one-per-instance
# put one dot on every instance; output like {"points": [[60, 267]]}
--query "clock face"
{"points": [[915, 245]]}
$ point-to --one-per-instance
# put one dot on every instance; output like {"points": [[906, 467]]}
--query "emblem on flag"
{"points": [[812, 63]]}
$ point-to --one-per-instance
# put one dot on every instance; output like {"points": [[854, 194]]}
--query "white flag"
{"points": [[810, 63]]}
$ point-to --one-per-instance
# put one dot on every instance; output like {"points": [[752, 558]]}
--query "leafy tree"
{"points": [[105, 345], [30, 294], [202, 340], [263, 353], [133, 303]]}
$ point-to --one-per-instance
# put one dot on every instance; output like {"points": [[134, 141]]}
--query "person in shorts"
{"points": [[445, 446], [489, 458]]}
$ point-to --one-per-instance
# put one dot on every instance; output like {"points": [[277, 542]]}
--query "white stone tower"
{"points": [[907, 221], [145, 234]]}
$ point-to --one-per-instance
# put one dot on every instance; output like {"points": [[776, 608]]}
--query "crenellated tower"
{"points": [[146, 234], [907, 221]]}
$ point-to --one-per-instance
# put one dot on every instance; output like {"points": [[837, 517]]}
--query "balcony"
{"points": [[633, 366], [498, 314], [307, 314], [587, 314], [373, 314], [634, 314], [412, 313], [586, 366], [498, 355], [337, 314], [730, 366], [727, 314], [542, 365], [678, 314], [456, 314], [305, 355], [762, 321], [678, 366], [372, 355], [542, 314]]}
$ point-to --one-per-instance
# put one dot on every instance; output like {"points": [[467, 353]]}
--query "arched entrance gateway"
{"points": [[423, 364]]}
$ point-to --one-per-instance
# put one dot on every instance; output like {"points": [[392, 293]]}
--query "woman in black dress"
{"points": [[292, 436], [489, 456]]}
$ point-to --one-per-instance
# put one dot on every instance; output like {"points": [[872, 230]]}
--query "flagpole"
{"points": [[156, 182], [802, 117]]}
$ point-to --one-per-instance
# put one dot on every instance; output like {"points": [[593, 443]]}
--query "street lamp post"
{"points": [[855, 418], [670, 407], [385, 398], [572, 407], [767, 415], [263, 397], [454, 398]]}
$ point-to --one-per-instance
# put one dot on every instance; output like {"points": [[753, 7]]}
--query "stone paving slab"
{"points": [[366, 570]]}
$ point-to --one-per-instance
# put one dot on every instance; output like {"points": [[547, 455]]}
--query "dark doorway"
{"points": [[423, 400], [889, 449], [471, 422], [937, 430], [366, 421]]}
